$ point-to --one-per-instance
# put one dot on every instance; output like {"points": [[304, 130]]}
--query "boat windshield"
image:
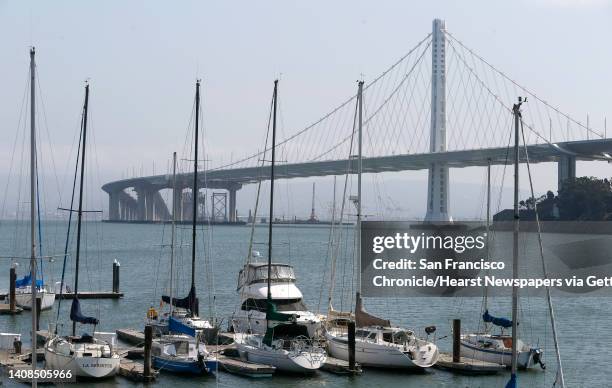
{"points": [[281, 305], [259, 274]]}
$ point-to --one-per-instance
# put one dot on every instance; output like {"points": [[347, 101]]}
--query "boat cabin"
{"points": [[258, 273]]}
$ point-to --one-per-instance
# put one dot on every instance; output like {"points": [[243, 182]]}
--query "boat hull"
{"points": [[525, 359], [24, 300], [84, 367], [372, 355], [183, 366]]}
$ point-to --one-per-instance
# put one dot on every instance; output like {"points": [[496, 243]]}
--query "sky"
{"points": [[142, 58]]}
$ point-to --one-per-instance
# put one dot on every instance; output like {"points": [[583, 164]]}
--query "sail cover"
{"points": [[77, 316], [363, 318], [176, 326], [272, 314], [27, 281], [185, 302], [503, 322]]}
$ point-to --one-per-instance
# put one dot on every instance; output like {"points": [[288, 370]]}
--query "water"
{"points": [[585, 324]]}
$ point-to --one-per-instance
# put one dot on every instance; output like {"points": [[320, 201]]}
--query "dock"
{"points": [[134, 371], [340, 367], [468, 366], [92, 295], [131, 336], [5, 309], [244, 368]]}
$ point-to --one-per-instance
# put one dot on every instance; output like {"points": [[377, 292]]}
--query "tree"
{"points": [[585, 198]]}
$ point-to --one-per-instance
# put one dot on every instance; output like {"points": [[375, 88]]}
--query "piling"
{"points": [[38, 309], [351, 345], [13, 279], [147, 351], [456, 340], [116, 266]]}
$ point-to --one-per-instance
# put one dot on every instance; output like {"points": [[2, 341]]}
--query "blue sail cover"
{"points": [[176, 326], [503, 322], [27, 281], [512, 382], [76, 316]]}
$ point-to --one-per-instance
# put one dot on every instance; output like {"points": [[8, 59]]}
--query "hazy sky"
{"points": [[142, 58]]}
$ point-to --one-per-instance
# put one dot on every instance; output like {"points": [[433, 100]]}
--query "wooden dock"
{"points": [[134, 371], [467, 366], [244, 368], [340, 367], [5, 309], [131, 336], [92, 295]]}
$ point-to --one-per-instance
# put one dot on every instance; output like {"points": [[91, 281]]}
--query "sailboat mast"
{"points": [[80, 211], [194, 193], [488, 226], [33, 197], [516, 109], [272, 192], [172, 234], [359, 172]]}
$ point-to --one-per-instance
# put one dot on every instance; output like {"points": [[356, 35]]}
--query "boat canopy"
{"points": [[183, 302], [258, 273], [77, 316], [176, 326], [502, 322], [363, 318], [27, 281]]}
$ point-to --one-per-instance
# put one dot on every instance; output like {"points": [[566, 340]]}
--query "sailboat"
{"points": [[90, 356], [377, 342], [25, 285], [184, 351], [285, 344], [502, 348]]}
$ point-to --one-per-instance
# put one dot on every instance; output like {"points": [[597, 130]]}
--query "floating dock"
{"points": [[244, 368], [134, 371], [340, 367], [468, 366], [131, 336], [5, 309]]}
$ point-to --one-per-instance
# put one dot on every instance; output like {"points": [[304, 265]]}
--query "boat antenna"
{"points": [[80, 210], [33, 200]]}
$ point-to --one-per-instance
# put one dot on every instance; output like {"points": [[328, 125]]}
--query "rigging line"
{"points": [[545, 273], [343, 104], [519, 86], [496, 96], [378, 109]]}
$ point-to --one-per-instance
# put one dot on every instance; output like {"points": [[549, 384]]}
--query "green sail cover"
{"points": [[275, 318]]}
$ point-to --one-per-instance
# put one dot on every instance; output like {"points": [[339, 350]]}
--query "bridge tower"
{"points": [[437, 184]]}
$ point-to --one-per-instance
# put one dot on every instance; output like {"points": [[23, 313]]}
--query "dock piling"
{"points": [[351, 345], [456, 340], [13, 279], [147, 351], [116, 266]]}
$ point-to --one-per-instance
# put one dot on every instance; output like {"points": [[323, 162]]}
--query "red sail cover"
{"points": [[363, 318]]}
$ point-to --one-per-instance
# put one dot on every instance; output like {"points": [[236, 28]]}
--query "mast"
{"points": [[194, 193], [80, 211], [488, 226], [359, 171], [332, 243], [172, 234], [516, 109], [272, 193], [33, 198]]}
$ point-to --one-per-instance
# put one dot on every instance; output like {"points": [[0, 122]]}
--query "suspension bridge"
{"points": [[440, 106]]}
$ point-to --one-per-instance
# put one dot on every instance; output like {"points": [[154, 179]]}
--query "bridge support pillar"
{"points": [[177, 203], [113, 206], [141, 210], [437, 184], [232, 205], [149, 214], [566, 169]]}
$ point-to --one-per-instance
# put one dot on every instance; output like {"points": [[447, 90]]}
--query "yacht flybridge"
{"points": [[287, 297]]}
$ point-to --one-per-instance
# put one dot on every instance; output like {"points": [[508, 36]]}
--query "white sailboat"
{"points": [[498, 348], [377, 342], [88, 356], [285, 344]]}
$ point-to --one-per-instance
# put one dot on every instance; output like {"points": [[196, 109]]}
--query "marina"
{"points": [[295, 206]]}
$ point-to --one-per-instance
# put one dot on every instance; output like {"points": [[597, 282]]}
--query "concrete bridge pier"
{"points": [[232, 202], [177, 203], [113, 206], [566, 169]]}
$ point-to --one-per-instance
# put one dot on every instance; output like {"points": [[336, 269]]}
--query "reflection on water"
{"points": [[583, 322]]}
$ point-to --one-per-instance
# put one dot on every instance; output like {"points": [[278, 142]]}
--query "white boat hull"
{"points": [[377, 355], [503, 357], [282, 360], [24, 300], [85, 367]]}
